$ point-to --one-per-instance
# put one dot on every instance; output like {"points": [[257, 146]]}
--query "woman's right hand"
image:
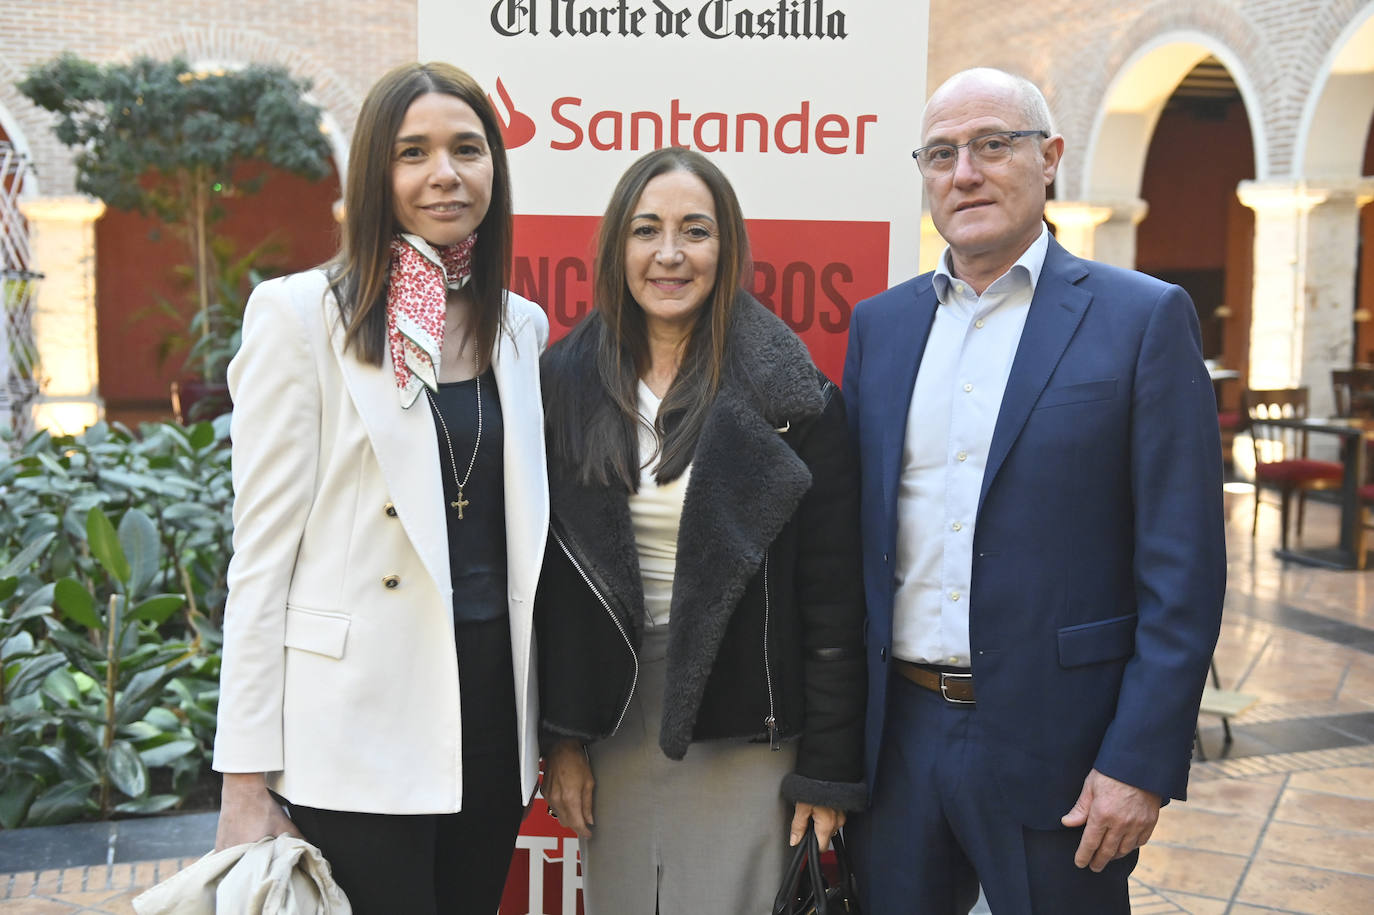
{"points": [[248, 813], [568, 786]]}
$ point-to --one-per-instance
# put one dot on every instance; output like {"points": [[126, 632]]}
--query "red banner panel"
{"points": [[809, 272], [546, 873]]}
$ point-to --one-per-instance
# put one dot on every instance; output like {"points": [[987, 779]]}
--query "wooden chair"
{"points": [[1281, 461], [1366, 518], [1354, 391]]}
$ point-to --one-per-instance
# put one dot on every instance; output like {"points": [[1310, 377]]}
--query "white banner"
{"points": [[811, 107]]}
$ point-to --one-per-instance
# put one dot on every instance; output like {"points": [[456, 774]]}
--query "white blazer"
{"points": [[340, 675]]}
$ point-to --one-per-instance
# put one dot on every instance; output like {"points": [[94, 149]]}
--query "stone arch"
{"points": [[1086, 74], [1120, 137], [21, 123], [1334, 126]]}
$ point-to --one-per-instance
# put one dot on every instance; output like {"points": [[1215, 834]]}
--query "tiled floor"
{"points": [[1282, 820]]}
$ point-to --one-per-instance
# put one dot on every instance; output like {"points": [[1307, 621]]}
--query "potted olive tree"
{"points": [[163, 139]]}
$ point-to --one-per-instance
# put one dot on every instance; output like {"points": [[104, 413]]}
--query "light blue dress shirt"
{"points": [[954, 406]]}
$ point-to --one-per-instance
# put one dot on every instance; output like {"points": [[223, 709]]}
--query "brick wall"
{"points": [[342, 46], [1074, 49]]}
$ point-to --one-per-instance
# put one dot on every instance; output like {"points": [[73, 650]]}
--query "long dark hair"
{"points": [[599, 435], [359, 271]]}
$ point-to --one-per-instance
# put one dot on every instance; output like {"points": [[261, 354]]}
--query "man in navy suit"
{"points": [[1043, 539]]}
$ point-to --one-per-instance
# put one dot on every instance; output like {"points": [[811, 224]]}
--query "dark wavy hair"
{"points": [[359, 271], [600, 437]]}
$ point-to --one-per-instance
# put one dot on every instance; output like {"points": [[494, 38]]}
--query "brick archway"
{"points": [[1334, 129], [1132, 102]]}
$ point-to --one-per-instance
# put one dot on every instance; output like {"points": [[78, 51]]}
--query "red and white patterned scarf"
{"points": [[421, 275]]}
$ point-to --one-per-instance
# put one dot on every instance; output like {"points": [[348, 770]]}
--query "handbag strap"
{"points": [[813, 868], [805, 863], [791, 880], [847, 884]]}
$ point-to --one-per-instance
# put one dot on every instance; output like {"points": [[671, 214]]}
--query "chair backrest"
{"points": [[1354, 391], [1273, 443]]}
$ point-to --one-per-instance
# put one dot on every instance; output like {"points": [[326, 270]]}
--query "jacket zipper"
{"points": [[771, 722], [634, 681]]}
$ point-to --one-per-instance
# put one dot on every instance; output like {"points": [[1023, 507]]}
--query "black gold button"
{"points": [[391, 581], [390, 510]]}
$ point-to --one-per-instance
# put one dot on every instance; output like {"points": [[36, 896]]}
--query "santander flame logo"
{"points": [[517, 128]]}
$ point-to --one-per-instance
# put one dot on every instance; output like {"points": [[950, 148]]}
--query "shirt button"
{"points": [[959, 288], [978, 323], [390, 510], [962, 455], [954, 595], [391, 582], [967, 388], [956, 526]]}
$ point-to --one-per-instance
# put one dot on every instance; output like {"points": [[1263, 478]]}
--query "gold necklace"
{"points": [[460, 503]]}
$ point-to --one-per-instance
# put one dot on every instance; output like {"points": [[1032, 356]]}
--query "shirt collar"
{"points": [[1027, 265]]}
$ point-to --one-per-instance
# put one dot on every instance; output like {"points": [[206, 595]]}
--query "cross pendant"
{"points": [[460, 504]]}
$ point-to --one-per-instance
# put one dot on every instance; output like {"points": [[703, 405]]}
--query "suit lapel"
{"points": [[1055, 313], [906, 344], [406, 447], [527, 501]]}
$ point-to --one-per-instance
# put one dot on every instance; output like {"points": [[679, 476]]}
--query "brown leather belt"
{"points": [[953, 686]]}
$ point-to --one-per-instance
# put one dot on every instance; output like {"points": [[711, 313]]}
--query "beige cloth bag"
{"points": [[284, 875]]}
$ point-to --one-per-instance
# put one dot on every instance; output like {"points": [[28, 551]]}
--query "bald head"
{"points": [[989, 205], [1023, 93]]}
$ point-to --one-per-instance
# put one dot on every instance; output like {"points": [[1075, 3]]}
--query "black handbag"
{"points": [[804, 889]]}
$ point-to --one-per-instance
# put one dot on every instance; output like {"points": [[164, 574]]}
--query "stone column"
{"points": [[62, 239], [1099, 230], [1301, 324]]}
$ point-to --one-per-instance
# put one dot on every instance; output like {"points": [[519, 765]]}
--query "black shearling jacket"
{"points": [[766, 623]]}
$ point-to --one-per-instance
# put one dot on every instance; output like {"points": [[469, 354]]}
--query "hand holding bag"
{"points": [[281, 875], [804, 890]]}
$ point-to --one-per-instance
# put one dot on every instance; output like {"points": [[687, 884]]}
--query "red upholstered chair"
{"points": [[1281, 461]]}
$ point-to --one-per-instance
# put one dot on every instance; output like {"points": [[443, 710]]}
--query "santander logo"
{"points": [[517, 128], [796, 129]]}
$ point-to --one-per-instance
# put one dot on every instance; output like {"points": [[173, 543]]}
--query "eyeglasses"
{"points": [[991, 149]]}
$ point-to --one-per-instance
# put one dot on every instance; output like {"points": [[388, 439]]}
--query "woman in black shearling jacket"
{"points": [[763, 644]]}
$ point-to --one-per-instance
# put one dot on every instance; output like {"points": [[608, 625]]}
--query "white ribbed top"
{"points": [[655, 512]]}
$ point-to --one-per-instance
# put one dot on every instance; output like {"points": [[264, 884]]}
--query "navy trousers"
{"points": [[937, 828]]}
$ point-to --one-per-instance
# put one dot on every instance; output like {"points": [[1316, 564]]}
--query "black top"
{"points": [[477, 540]]}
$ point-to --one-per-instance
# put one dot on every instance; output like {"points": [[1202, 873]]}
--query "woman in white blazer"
{"points": [[390, 516]]}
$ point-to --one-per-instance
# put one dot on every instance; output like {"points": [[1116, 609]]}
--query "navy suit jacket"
{"points": [[1099, 561]]}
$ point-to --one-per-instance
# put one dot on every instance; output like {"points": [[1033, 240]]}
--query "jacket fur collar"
{"points": [[746, 484]]}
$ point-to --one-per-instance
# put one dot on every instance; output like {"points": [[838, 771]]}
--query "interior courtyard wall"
{"points": [[340, 46], [1074, 49], [1279, 53]]}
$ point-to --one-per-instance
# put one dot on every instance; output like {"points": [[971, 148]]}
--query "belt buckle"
{"points": [[944, 690]]}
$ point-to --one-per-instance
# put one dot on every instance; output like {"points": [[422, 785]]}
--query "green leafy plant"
{"points": [[117, 548], [161, 138], [214, 335]]}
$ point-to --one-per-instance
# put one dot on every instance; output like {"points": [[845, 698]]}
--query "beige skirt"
{"points": [[704, 834]]}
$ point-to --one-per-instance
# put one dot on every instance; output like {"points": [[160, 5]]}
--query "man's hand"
{"points": [[569, 787], [1119, 819], [248, 813]]}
